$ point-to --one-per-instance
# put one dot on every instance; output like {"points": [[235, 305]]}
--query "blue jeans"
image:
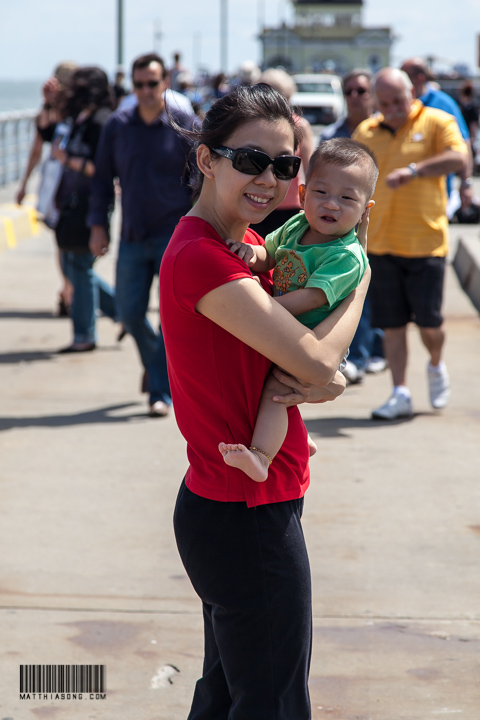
{"points": [[367, 341], [91, 293], [138, 264]]}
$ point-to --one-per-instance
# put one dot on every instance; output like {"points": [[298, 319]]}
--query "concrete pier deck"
{"points": [[89, 572]]}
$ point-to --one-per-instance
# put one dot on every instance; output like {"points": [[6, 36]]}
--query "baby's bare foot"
{"points": [[253, 464]]}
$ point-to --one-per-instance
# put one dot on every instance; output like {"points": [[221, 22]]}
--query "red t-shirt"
{"points": [[216, 380]]}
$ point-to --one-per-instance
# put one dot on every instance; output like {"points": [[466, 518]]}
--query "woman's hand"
{"points": [[305, 392], [50, 90], [363, 228], [20, 194], [58, 153]]}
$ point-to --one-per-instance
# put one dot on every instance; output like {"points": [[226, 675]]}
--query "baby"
{"points": [[317, 261]]}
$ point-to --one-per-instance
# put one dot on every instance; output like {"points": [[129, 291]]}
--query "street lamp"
{"points": [[157, 36], [197, 50], [261, 27], [119, 33], [223, 36]]}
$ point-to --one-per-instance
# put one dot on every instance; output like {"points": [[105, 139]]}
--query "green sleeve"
{"points": [[272, 241], [288, 234], [338, 275]]}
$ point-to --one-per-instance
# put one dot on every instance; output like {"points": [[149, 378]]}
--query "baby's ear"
{"points": [[301, 194]]}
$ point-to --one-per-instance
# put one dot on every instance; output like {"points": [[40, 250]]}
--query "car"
{"points": [[319, 97]]}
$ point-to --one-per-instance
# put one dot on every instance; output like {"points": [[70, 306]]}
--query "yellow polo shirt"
{"points": [[410, 221]]}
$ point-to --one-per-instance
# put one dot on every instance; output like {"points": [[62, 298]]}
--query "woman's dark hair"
{"points": [[244, 104], [88, 87]]}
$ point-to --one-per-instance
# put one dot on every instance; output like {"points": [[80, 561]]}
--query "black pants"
{"points": [[250, 568]]}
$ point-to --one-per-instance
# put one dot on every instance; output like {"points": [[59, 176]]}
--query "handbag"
{"points": [[51, 176], [71, 230], [52, 171]]}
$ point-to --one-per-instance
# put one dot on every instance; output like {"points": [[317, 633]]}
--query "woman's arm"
{"points": [[258, 259], [33, 160], [73, 162], [306, 393], [246, 311]]}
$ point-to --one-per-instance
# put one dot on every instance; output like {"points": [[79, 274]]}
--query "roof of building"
{"points": [[327, 2]]}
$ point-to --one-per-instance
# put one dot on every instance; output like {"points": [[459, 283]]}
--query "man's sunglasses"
{"points": [[149, 83], [255, 162], [359, 91]]}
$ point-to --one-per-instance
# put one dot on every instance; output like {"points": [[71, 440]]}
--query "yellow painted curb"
{"points": [[17, 222], [7, 234]]}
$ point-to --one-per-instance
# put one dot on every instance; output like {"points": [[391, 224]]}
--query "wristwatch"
{"points": [[467, 182], [413, 168]]}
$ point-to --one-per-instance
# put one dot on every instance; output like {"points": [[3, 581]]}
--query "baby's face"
{"points": [[334, 199]]}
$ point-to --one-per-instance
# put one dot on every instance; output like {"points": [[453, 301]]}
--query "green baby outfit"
{"points": [[336, 267]]}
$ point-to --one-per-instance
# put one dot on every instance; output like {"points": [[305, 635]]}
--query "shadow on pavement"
{"points": [[13, 358], [28, 315], [89, 417], [27, 356], [339, 426]]}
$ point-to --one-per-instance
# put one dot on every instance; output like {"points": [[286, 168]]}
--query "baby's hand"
{"points": [[243, 250]]}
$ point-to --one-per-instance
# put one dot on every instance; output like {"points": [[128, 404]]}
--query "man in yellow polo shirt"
{"points": [[416, 147]]}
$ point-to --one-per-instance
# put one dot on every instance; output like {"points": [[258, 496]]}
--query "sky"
{"points": [[35, 36]]}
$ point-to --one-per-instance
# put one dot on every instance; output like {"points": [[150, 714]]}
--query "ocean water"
{"points": [[16, 137], [20, 95]]}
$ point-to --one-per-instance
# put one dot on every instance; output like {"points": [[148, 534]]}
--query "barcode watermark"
{"points": [[63, 682]]}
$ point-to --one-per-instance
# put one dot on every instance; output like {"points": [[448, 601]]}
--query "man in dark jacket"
{"points": [[140, 147]]}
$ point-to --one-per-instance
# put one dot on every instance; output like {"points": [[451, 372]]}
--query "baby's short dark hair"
{"points": [[344, 152]]}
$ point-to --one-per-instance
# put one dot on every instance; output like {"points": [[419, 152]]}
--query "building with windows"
{"points": [[327, 35]]}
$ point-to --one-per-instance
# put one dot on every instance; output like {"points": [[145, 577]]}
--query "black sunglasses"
{"points": [[149, 83], [359, 91], [255, 162]]}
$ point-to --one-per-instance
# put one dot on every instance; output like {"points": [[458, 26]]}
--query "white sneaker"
{"points": [[352, 374], [397, 406], [439, 385], [376, 364]]}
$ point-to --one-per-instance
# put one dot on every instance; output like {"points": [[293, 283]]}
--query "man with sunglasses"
{"points": [[140, 147], [359, 103]]}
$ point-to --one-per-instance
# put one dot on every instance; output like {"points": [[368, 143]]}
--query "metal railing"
{"points": [[17, 130]]}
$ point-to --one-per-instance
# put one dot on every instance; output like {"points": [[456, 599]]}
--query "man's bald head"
{"points": [[394, 95]]}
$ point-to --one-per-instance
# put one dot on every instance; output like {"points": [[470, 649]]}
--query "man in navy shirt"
{"points": [[139, 146]]}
